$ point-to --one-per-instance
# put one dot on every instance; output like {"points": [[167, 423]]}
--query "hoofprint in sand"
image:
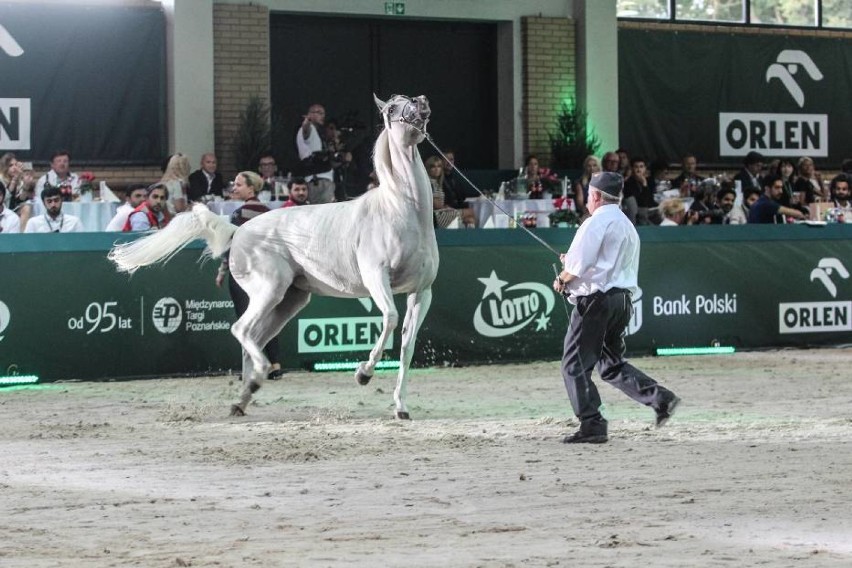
{"points": [[754, 470]]}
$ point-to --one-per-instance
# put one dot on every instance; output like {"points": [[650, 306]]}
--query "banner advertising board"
{"points": [[89, 79], [66, 314], [720, 95]]}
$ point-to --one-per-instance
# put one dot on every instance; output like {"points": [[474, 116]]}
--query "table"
{"points": [[95, 215], [225, 208], [490, 217]]}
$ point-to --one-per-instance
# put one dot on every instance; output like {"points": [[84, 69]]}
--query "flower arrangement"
{"points": [[564, 212], [65, 189], [87, 182]]}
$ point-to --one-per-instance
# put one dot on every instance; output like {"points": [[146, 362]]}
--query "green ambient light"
{"points": [[352, 365], [670, 351], [18, 380]]}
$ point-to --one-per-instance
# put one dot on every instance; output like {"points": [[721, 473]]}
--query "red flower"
{"points": [[86, 177]]}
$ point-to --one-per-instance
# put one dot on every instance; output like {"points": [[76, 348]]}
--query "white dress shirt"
{"points": [[53, 179], [310, 145], [120, 218], [63, 224], [9, 221], [604, 254]]}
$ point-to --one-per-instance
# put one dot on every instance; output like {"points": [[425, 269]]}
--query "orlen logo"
{"points": [[636, 319], [505, 310], [786, 65], [819, 317], [825, 270], [167, 315], [4, 318], [8, 44]]}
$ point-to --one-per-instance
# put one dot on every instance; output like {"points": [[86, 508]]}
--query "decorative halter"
{"points": [[415, 112]]}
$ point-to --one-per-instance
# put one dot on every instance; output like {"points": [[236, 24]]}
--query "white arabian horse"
{"points": [[378, 245]]}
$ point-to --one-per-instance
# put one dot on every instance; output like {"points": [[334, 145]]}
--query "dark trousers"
{"points": [[241, 302], [595, 339]]}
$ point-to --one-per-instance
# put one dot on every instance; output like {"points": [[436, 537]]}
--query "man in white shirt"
{"points": [[309, 141], [59, 175], [53, 220], [599, 275], [9, 221], [136, 194]]}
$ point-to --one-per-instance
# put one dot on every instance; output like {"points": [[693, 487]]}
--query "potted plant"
{"points": [[573, 140]]}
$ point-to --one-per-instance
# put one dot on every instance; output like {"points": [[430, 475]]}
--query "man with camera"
{"points": [[315, 156]]}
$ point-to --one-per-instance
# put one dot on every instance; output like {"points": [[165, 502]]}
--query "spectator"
{"points": [[9, 220], [739, 214], [591, 165], [785, 169], [7, 174], [704, 205], [638, 196], [610, 162], [247, 186], [840, 192], [298, 189], [341, 158], [311, 144], [624, 167], [151, 214], [726, 198], [268, 169], [538, 180], [673, 213], [767, 209], [60, 176], [749, 175], [687, 181], [443, 214], [810, 182], [23, 201], [176, 181], [453, 194], [135, 194], [205, 184], [53, 220]]}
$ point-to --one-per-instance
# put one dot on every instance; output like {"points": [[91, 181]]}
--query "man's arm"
{"points": [[788, 212], [139, 221]]}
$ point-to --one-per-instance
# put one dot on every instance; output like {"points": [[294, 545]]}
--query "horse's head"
{"points": [[405, 117]]}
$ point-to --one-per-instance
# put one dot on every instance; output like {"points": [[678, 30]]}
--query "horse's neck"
{"points": [[410, 172]]}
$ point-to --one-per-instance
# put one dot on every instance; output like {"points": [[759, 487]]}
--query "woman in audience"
{"points": [[809, 183], [176, 180], [580, 187], [538, 180], [445, 212], [786, 170], [23, 184]]}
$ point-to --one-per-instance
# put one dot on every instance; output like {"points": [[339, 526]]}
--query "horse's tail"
{"points": [[199, 223]]}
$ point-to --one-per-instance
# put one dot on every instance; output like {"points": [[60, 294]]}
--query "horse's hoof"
{"points": [[402, 415], [237, 411], [362, 377]]}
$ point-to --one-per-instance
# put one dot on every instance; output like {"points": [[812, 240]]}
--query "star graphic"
{"points": [[541, 322], [493, 285]]}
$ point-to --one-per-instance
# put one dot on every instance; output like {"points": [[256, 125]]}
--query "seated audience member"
{"points": [[23, 202], [687, 181], [176, 181], [767, 209], [704, 204], [786, 170], [749, 175], [638, 194], [726, 197], [135, 194], [453, 194], [443, 214], [247, 185], [53, 220], [268, 170], [610, 162], [151, 214], [674, 213], [298, 189], [537, 180], [206, 184], [624, 167], [580, 187], [739, 214], [9, 169], [809, 182], [9, 220], [840, 192], [60, 176]]}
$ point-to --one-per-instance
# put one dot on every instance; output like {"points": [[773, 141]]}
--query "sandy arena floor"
{"points": [[755, 470]]}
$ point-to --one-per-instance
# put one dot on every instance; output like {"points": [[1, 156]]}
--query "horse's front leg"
{"points": [[378, 283], [417, 306]]}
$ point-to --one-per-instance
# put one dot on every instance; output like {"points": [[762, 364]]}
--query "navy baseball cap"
{"points": [[607, 182]]}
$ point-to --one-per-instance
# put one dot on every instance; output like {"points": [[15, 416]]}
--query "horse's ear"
{"points": [[379, 102]]}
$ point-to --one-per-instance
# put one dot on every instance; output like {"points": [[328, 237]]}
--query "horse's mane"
{"points": [[388, 197]]}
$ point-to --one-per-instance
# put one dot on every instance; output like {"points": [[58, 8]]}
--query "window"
{"points": [[710, 10], [652, 9], [785, 13]]}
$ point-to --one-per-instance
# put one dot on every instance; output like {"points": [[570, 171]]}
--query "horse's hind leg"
{"points": [[378, 283], [415, 313], [274, 320]]}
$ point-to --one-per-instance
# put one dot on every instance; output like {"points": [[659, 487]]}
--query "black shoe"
{"points": [[666, 411], [275, 375], [580, 437]]}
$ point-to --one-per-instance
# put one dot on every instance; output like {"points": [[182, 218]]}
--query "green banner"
{"points": [[721, 95], [66, 314]]}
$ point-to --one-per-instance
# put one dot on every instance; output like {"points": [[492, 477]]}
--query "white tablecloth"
{"points": [[94, 214], [225, 208], [490, 217]]}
